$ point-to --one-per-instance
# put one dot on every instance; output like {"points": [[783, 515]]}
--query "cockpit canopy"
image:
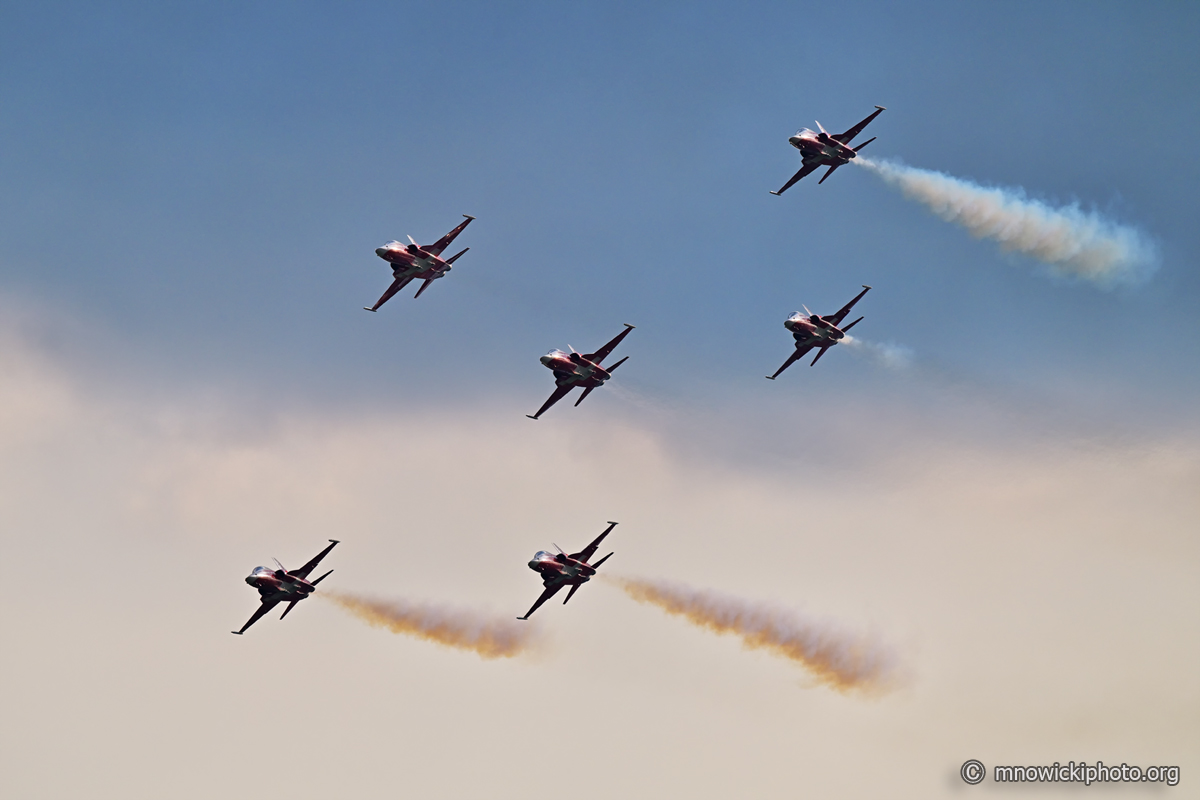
{"points": [[542, 555], [263, 571]]}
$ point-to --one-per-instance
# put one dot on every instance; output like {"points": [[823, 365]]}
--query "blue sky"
{"points": [[191, 195], [210, 182]]}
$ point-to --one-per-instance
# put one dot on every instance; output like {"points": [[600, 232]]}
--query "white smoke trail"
{"points": [[888, 354], [1073, 242], [840, 660]]}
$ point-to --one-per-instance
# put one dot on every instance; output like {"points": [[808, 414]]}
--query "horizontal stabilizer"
{"points": [[571, 593], [323, 577], [601, 561], [619, 363], [852, 324], [586, 392], [818, 358], [827, 174], [454, 257], [424, 286], [291, 605], [864, 144]]}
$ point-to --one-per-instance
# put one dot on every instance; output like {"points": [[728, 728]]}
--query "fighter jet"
{"points": [[562, 570], [822, 150], [410, 261], [572, 369], [278, 585], [812, 330]]}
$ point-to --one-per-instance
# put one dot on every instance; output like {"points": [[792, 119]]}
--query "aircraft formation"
{"points": [[575, 370]]}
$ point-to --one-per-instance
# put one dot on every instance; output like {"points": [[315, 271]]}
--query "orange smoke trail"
{"points": [[488, 636], [842, 661]]}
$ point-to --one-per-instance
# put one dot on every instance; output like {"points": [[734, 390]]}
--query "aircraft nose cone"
{"points": [[380, 251]]}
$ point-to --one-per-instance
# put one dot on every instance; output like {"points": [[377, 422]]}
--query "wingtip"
{"points": [[522, 617], [627, 325], [610, 522], [369, 309], [335, 541], [774, 193], [769, 377], [865, 286], [882, 108], [531, 416], [468, 216], [236, 633]]}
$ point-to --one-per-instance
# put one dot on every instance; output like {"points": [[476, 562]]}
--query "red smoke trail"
{"points": [[842, 661], [489, 636]]}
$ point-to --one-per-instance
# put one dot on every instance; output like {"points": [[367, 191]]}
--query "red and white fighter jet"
{"points": [[278, 585], [573, 369], [562, 570], [411, 261], [819, 149], [812, 330]]}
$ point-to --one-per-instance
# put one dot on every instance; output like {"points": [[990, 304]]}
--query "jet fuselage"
{"points": [[560, 568], [813, 330], [409, 260], [278, 585], [821, 144], [572, 369]]}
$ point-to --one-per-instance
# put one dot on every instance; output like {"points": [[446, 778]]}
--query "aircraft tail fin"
{"points": [[571, 593], [291, 605], [864, 144], [424, 286], [827, 174]]}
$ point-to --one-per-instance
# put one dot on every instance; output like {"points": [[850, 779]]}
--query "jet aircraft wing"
{"points": [[603, 352], [546, 595], [311, 565], [441, 244], [800, 352], [559, 393], [845, 138], [266, 606], [396, 286], [586, 553], [836, 319], [807, 169]]}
